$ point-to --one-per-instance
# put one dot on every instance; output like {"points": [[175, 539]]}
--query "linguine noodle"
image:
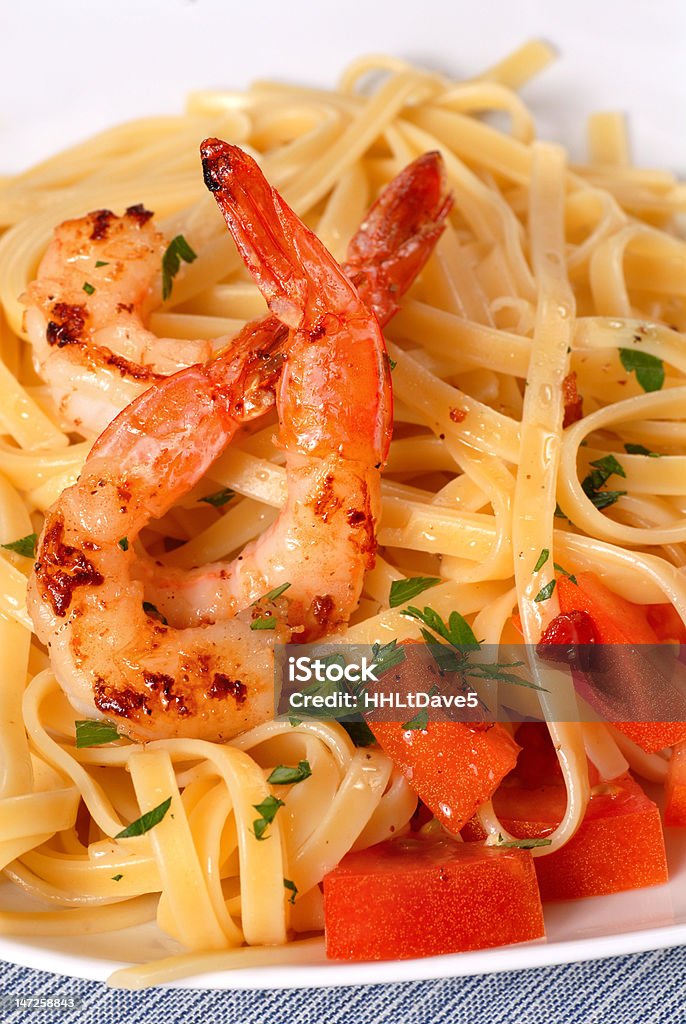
{"points": [[544, 269]]}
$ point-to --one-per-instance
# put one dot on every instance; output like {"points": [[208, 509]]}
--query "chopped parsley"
{"points": [[359, 733], [219, 498], [386, 656], [146, 821], [454, 656], [153, 613], [418, 723], [124, 543], [88, 288], [602, 470], [564, 572], [177, 250], [101, 263], [522, 844], [546, 592], [117, 878], [266, 622], [292, 888], [639, 449], [542, 559], [273, 594], [25, 546], [93, 733], [285, 775], [405, 590], [267, 811], [649, 370], [392, 363]]}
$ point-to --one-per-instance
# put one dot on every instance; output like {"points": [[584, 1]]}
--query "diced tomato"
{"points": [[619, 845], [675, 790], [537, 762], [668, 625], [425, 897], [452, 766], [620, 622], [616, 620]]}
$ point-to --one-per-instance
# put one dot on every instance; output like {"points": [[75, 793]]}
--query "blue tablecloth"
{"points": [[648, 988]]}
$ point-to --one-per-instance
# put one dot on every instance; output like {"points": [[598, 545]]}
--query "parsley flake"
{"points": [[292, 888], [542, 559], [117, 878], [25, 546], [602, 470], [219, 498], [93, 732], [101, 263], [268, 622], [146, 821], [564, 572], [530, 843], [177, 250], [273, 594], [359, 733], [546, 592], [386, 656], [267, 809], [404, 590], [639, 449], [153, 613], [124, 543], [418, 723], [285, 775], [649, 370], [88, 288]]}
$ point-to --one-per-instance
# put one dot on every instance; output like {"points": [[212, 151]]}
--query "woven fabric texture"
{"points": [[647, 988]]}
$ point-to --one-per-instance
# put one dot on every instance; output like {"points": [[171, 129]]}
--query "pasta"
{"points": [[544, 270]]}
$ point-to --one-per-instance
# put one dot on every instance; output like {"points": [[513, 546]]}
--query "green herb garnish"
{"points": [[359, 733], [268, 622], [25, 546], [146, 821], [418, 723], [521, 844], [267, 809], [546, 592], [153, 613], [93, 733], [177, 250], [603, 469], [639, 449], [570, 576], [101, 263], [292, 888], [285, 775], [219, 498], [405, 590], [273, 594], [542, 559], [386, 656], [649, 370], [117, 878], [88, 288], [124, 543]]}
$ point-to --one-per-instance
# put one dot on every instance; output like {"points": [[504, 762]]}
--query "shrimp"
{"points": [[100, 279], [213, 677]]}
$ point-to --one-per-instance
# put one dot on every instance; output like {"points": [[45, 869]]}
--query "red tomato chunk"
{"points": [[675, 790], [618, 846], [424, 897], [452, 766]]}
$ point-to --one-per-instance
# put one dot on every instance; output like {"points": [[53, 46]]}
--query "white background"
{"points": [[69, 67]]}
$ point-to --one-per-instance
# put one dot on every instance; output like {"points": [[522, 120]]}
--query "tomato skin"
{"points": [[426, 897], [675, 789], [453, 767], [620, 622], [618, 846]]}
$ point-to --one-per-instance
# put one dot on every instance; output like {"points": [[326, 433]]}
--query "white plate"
{"points": [[72, 68], [626, 922]]}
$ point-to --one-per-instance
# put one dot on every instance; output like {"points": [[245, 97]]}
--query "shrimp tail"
{"points": [[399, 234], [332, 355]]}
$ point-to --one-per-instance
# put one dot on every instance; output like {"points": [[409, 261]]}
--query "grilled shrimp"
{"points": [[209, 674], [100, 279]]}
